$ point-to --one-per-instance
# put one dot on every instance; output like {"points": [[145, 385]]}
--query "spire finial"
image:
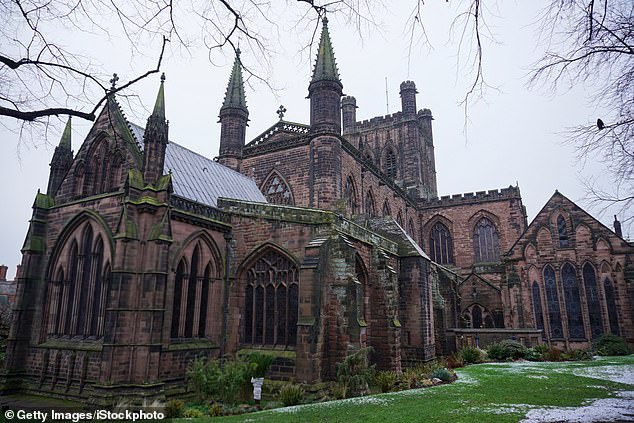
{"points": [[159, 105], [280, 112], [113, 81], [65, 141]]}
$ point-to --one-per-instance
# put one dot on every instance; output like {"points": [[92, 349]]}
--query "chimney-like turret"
{"points": [[617, 227], [349, 114], [408, 99]]}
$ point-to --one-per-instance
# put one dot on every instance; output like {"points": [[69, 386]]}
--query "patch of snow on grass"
{"points": [[619, 374], [466, 379], [333, 404], [618, 409], [537, 377], [500, 409]]}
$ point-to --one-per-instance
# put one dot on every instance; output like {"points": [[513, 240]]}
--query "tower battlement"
{"points": [[472, 197]]}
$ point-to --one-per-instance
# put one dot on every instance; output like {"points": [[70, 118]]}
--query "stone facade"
{"points": [[309, 242]]}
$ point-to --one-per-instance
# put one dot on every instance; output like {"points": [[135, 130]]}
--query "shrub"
{"points": [[537, 353], [174, 409], [291, 394], [193, 413], [507, 349], [355, 373], [207, 379], [455, 361], [215, 409], [442, 374], [581, 355], [553, 354], [259, 363], [471, 355], [609, 344], [386, 380]]}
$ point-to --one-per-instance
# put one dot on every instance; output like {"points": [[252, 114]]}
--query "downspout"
{"points": [[225, 298]]}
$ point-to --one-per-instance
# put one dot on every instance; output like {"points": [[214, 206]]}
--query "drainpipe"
{"points": [[225, 299]]}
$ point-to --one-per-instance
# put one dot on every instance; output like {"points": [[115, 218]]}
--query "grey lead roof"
{"points": [[198, 178]]}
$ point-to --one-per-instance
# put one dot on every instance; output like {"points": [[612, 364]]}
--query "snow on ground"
{"points": [[620, 409]]}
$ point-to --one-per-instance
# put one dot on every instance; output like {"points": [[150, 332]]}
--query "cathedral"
{"points": [[309, 242]]}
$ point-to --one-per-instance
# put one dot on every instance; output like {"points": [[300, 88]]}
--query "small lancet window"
{"points": [[563, 232]]}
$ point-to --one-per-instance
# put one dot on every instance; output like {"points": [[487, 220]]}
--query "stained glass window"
{"points": [[552, 299], [594, 302], [441, 244], [270, 318], [573, 302], [485, 242], [537, 307], [611, 304]]}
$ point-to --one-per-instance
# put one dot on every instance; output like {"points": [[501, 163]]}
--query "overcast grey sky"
{"points": [[514, 134]]}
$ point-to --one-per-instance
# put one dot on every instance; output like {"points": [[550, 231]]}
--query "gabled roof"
{"points": [[203, 180], [281, 130], [555, 201]]}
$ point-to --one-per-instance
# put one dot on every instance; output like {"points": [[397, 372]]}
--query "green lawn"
{"points": [[484, 393]]}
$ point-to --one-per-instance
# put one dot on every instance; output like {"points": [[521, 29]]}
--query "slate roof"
{"points": [[200, 179]]}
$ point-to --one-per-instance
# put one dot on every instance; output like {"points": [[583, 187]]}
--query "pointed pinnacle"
{"points": [[325, 65], [159, 106], [65, 141], [234, 96]]}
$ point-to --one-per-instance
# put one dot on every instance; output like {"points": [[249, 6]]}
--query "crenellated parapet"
{"points": [[472, 197]]}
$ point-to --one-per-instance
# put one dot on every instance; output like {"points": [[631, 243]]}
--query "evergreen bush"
{"points": [[442, 374], [471, 355], [386, 380], [609, 344], [355, 373], [507, 350], [291, 394]]}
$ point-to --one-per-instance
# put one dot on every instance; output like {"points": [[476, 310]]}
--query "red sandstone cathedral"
{"points": [[310, 241]]}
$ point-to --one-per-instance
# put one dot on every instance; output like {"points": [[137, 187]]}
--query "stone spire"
{"points": [[234, 116], [234, 96], [61, 161], [325, 65], [325, 89], [155, 139]]}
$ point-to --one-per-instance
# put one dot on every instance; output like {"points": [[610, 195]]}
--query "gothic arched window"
{"points": [[485, 242], [399, 219], [573, 302], [386, 209], [440, 244], [271, 298], [370, 210], [552, 299], [390, 164], [610, 302], [350, 193], [191, 300], [277, 191], [537, 307], [77, 293], [411, 229], [594, 303], [563, 232]]}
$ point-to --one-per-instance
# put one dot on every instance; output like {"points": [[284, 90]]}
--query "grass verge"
{"points": [[484, 393]]}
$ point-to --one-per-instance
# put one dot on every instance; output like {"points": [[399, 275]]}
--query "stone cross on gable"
{"points": [[280, 112], [113, 81]]}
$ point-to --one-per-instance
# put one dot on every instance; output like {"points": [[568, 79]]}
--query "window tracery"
{"points": [[552, 299], [485, 242], [441, 244], [271, 301], [573, 302], [277, 191], [593, 300]]}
